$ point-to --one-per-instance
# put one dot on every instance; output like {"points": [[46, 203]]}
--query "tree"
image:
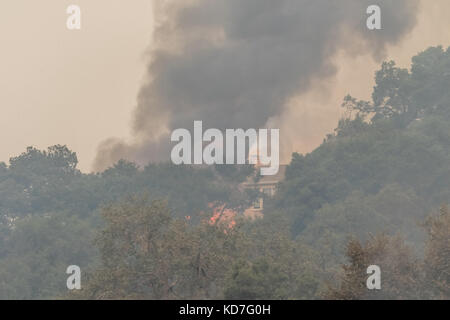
{"points": [[57, 158], [273, 265], [147, 254], [437, 257], [407, 95], [38, 250], [256, 281], [400, 271]]}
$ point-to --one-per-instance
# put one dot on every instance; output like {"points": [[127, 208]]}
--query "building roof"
{"points": [[266, 180]]}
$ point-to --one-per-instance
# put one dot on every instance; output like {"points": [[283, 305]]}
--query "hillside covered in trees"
{"points": [[374, 193]]}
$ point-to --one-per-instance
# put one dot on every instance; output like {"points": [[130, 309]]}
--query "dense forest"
{"points": [[375, 192]]}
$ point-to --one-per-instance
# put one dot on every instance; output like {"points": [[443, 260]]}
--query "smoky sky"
{"points": [[235, 64]]}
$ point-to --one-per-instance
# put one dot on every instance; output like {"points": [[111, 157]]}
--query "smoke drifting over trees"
{"points": [[378, 180], [235, 64]]}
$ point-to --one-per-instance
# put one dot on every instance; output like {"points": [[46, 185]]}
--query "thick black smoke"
{"points": [[235, 63]]}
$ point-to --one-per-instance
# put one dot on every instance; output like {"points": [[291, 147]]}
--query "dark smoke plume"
{"points": [[235, 63]]}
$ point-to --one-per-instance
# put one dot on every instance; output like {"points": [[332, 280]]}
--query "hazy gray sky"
{"points": [[80, 87], [70, 87]]}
